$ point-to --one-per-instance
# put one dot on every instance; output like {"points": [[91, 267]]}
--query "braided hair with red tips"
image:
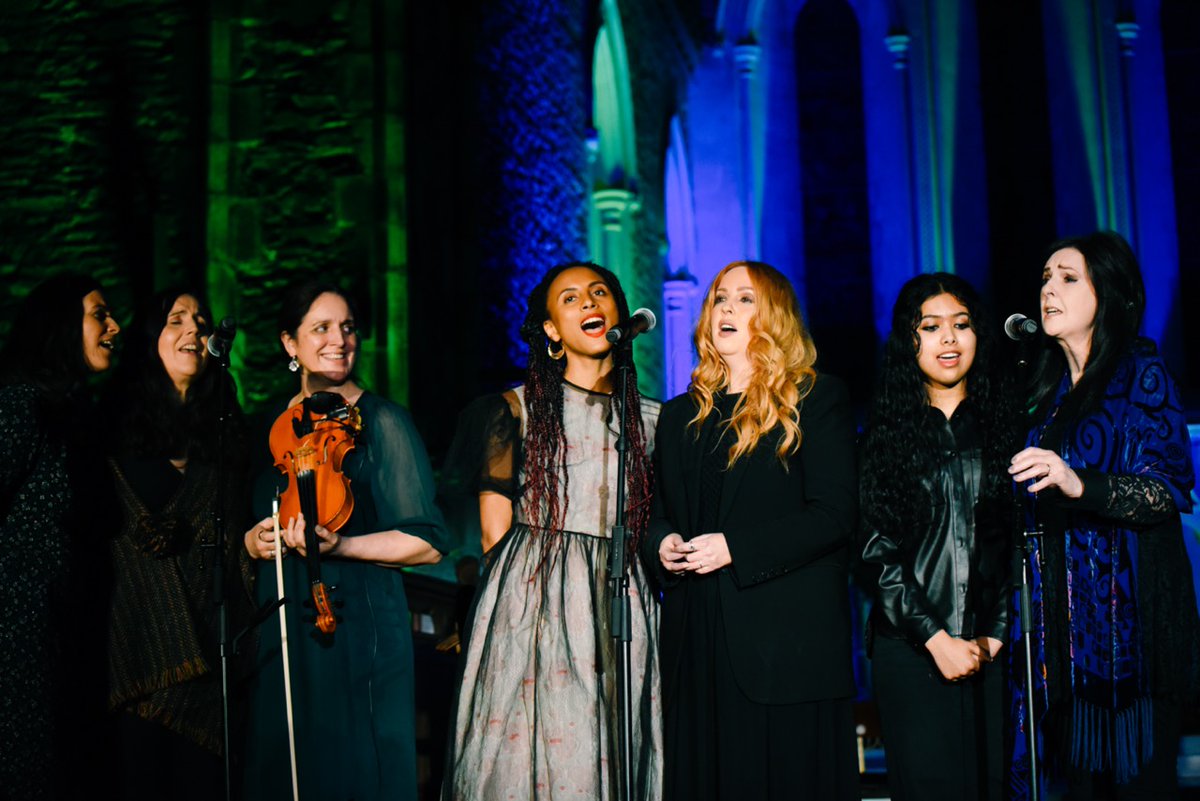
{"points": [[545, 489]]}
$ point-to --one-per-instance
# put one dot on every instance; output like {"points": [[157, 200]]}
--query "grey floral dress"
{"points": [[536, 714]]}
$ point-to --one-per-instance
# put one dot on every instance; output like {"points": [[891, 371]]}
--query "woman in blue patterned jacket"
{"points": [[1105, 473]]}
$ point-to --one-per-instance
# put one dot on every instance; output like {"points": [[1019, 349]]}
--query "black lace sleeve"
{"points": [[485, 455], [1139, 500]]}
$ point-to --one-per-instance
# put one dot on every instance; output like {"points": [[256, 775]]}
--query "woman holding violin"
{"points": [[172, 467], [357, 459], [62, 335]]}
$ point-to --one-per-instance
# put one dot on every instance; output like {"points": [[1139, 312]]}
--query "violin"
{"points": [[309, 443]]}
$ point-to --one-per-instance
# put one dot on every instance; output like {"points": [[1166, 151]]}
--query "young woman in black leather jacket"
{"points": [[935, 513]]}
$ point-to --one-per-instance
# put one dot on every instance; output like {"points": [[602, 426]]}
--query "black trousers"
{"points": [[156, 763], [941, 739]]}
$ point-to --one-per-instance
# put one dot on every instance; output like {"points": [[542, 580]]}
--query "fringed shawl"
{"points": [[1104, 592], [162, 644]]}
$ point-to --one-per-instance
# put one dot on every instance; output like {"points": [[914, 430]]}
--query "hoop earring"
{"points": [[552, 353], [294, 365]]}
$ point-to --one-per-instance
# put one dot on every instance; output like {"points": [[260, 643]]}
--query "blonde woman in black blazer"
{"points": [[753, 512]]}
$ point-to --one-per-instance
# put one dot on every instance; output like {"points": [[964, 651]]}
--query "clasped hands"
{"points": [[957, 658], [701, 554], [260, 539]]}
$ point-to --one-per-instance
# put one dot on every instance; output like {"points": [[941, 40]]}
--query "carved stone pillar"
{"points": [[679, 293], [746, 56], [615, 207]]}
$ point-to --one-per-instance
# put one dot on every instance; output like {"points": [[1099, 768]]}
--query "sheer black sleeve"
{"points": [[485, 455], [400, 475], [1139, 500]]}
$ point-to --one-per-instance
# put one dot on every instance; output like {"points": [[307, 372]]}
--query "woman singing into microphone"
{"points": [[173, 467], [754, 509], [1105, 474], [936, 512], [537, 716]]}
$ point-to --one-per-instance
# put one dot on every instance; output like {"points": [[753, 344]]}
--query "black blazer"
{"points": [[784, 598]]}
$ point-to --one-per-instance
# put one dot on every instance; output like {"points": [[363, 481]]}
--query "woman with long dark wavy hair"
{"points": [[1105, 474], [177, 456], [936, 507], [536, 715], [51, 660], [754, 510]]}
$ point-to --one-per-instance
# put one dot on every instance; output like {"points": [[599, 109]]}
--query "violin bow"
{"points": [[283, 642]]}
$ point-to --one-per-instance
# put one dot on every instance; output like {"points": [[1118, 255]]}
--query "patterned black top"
{"points": [[35, 497]]}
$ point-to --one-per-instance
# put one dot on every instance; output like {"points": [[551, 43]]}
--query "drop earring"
{"points": [[293, 365]]}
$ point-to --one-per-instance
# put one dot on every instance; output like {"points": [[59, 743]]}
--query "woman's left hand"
{"points": [[293, 536], [1046, 469], [709, 552], [990, 645]]}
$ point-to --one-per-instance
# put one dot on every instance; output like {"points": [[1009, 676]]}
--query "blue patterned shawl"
{"points": [[1098, 683]]}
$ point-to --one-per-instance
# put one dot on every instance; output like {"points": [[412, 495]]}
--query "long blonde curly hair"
{"points": [[781, 353]]}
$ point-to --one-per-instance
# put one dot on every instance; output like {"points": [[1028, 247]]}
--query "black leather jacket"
{"points": [[949, 567]]}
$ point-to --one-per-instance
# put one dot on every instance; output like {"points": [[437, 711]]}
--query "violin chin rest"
{"points": [[322, 403]]}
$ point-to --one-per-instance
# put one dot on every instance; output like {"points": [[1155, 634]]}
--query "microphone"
{"points": [[639, 322], [220, 342], [1019, 327]]}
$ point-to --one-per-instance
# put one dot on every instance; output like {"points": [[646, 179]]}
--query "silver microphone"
{"points": [[220, 342], [639, 322], [1019, 327]]}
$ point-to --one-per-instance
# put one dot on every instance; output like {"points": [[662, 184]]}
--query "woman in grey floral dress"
{"points": [[536, 715]]}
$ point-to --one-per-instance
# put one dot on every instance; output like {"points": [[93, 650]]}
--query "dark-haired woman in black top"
{"points": [[173, 466], [935, 507], [45, 471]]}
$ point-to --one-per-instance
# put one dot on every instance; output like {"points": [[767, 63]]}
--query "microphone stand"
{"points": [[1031, 539], [621, 619], [219, 547], [226, 646]]}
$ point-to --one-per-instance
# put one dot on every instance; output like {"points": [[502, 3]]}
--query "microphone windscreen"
{"points": [[650, 318], [1019, 327]]}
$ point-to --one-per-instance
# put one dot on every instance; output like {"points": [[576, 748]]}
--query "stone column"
{"points": [[1127, 32], [615, 206], [898, 44], [746, 56], [531, 188], [679, 293]]}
